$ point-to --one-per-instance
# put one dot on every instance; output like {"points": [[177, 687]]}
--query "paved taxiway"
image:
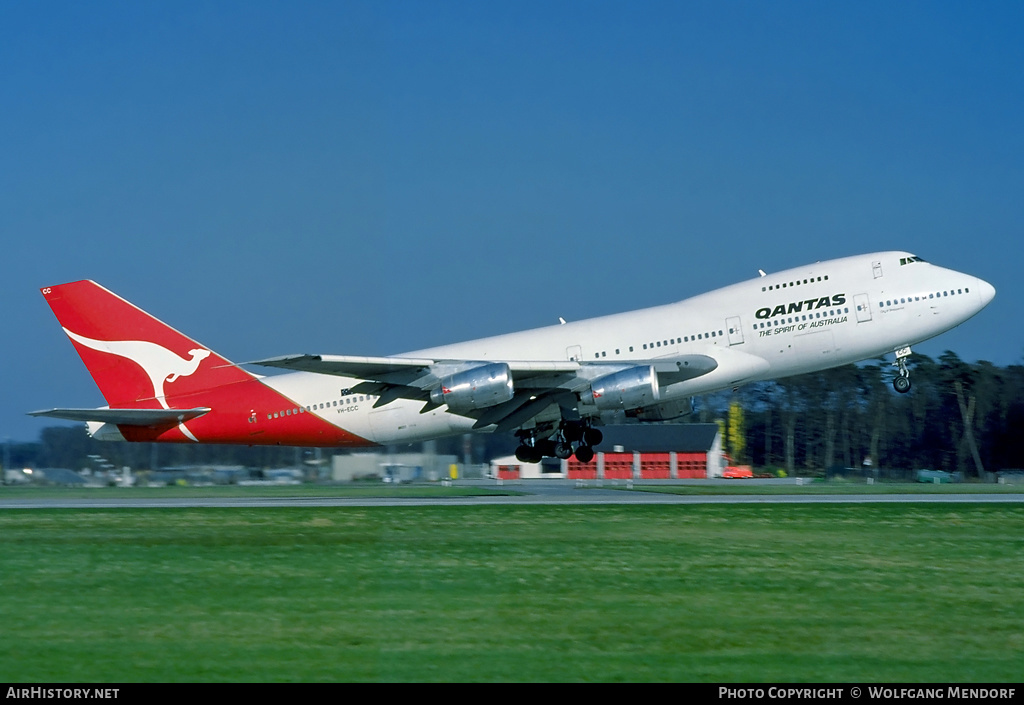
{"points": [[533, 492]]}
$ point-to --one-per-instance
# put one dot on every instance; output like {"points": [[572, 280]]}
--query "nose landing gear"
{"points": [[902, 382]]}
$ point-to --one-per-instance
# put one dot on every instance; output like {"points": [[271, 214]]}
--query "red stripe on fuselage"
{"points": [[230, 421]]}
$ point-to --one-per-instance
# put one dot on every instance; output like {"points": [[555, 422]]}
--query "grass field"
{"points": [[855, 593]]}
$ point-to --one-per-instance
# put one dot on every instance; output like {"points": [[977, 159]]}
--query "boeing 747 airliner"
{"points": [[553, 387]]}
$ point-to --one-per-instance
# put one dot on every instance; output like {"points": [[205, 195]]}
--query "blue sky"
{"points": [[374, 177]]}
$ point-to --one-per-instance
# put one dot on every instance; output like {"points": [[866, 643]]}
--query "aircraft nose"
{"points": [[986, 292]]}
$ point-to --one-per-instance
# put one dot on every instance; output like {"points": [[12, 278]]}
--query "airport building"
{"points": [[639, 452], [391, 467]]}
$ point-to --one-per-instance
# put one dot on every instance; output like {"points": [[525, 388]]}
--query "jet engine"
{"points": [[631, 388], [476, 388]]}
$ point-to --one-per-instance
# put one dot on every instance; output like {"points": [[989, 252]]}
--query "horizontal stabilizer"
{"points": [[125, 417]]}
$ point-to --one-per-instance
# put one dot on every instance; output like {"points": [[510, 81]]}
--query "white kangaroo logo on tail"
{"points": [[159, 363]]}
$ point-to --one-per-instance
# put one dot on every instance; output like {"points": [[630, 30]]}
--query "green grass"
{"points": [[855, 593]]}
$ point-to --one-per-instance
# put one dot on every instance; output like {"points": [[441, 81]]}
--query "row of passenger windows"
{"points": [[922, 297], [804, 317], [666, 343], [351, 399], [798, 282]]}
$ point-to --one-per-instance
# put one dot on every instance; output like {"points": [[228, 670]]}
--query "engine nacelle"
{"points": [[477, 388], [631, 388]]}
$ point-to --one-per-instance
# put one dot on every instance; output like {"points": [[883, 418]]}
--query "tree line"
{"points": [[959, 417]]}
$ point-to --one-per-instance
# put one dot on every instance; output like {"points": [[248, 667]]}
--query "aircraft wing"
{"points": [[125, 417], [369, 368], [425, 373], [412, 378], [538, 383], [379, 368]]}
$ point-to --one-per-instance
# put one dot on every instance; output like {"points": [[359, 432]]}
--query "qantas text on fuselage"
{"points": [[798, 306]]}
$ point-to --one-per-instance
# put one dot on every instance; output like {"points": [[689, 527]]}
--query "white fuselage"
{"points": [[800, 320]]}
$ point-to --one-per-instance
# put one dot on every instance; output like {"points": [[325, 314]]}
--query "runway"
{"points": [[528, 492]]}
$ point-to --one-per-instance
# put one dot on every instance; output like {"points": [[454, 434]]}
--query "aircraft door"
{"points": [[574, 353], [863, 306], [735, 330], [384, 423]]}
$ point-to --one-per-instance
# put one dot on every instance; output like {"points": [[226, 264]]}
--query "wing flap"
{"points": [[368, 368], [373, 368]]}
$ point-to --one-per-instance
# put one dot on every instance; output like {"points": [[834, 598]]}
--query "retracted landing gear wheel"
{"points": [[527, 454], [545, 448], [572, 432], [563, 451], [592, 437], [584, 454]]}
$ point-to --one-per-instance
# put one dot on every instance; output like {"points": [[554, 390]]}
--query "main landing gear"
{"points": [[573, 438], [902, 382]]}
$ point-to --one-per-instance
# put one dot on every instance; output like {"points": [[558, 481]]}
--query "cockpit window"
{"points": [[910, 260]]}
